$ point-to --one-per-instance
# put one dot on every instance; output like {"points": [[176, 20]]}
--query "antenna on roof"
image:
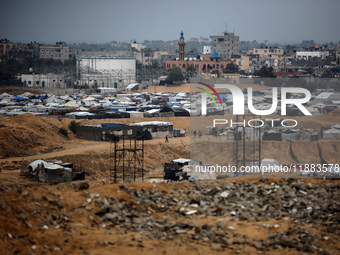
{"points": [[226, 27]]}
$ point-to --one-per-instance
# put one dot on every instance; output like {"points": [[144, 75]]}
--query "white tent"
{"points": [[89, 99], [332, 134], [132, 86]]}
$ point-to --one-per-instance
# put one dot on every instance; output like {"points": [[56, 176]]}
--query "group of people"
{"points": [[199, 134]]}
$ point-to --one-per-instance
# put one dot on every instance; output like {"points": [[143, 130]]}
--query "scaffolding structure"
{"points": [[247, 148], [128, 159]]}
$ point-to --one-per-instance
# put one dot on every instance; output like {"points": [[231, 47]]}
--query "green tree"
{"points": [[190, 71], [265, 72], [73, 126], [290, 47], [231, 68], [175, 74]]}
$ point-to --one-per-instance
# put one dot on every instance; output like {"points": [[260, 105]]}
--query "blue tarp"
{"points": [[20, 98], [222, 96], [172, 104], [113, 125], [131, 108]]}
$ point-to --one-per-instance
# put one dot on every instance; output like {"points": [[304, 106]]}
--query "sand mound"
{"points": [[16, 92], [28, 134]]}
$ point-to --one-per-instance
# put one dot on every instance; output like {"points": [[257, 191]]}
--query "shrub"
{"points": [[63, 131], [73, 126]]}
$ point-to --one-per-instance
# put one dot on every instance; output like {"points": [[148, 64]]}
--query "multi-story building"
{"points": [[137, 46], [244, 63], [203, 40], [338, 56], [207, 63], [226, 44], [34, 48], [267, 52], [106, 72], [6, 45], [305, 55], [58, 52]]}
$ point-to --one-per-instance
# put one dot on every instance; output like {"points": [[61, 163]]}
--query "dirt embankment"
{"points": [[16, 92], [27, 134]]}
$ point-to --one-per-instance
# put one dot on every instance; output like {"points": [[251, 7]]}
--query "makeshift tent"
{"points": [[178, 111], [18, 98], [132, 86], [332, 134]]}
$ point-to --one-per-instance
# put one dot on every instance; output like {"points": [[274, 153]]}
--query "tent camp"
{"points": [[177, 111]]}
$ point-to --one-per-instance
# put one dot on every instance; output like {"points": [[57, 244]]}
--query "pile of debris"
{"points": [[292, 200], [279, 217]]}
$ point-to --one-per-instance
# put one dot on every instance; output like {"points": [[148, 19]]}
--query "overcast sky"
{"points": [[101, 21]]}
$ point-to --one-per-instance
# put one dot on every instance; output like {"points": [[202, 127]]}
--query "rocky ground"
{"points": [[231, 216], [249, 216]]}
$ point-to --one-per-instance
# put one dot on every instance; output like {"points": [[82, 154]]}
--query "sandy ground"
{"points": [[34, 234], [27, 138]]}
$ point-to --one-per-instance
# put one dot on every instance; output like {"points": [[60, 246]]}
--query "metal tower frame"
{"points": [[247, 146], [128, 159]]}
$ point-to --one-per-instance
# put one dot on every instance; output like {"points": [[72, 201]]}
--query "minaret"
{"points": [[181, 45]]}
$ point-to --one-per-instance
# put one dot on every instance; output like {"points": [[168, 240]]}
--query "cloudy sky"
{"points": [[101, 21]]}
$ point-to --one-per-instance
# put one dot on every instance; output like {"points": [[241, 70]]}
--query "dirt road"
{"points": [[95, 156]]}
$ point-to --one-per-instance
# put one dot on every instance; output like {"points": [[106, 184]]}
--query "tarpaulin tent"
{"points": [[18, 98]]}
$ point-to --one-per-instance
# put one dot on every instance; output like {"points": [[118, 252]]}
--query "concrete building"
{"points": [[206, 49], [310, 53], [138, 46], [305, 55], [226, 44], [43, 80], [106, 72], [34, 48], [243, 62], [337, 56], [267, 52], [203, 40], [58, 52], [206, 64], [6, 45]]}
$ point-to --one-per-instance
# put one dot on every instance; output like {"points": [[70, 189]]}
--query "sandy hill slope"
{"points": [[28, 134]]}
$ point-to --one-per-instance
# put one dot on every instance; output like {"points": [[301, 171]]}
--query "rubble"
{"points": [[196, 212], [240, 201]]}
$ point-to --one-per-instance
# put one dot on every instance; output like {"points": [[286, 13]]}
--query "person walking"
{"points": [[166, 139]]}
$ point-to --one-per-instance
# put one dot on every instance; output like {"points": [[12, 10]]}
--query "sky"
{"points": [[102, 21]]}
